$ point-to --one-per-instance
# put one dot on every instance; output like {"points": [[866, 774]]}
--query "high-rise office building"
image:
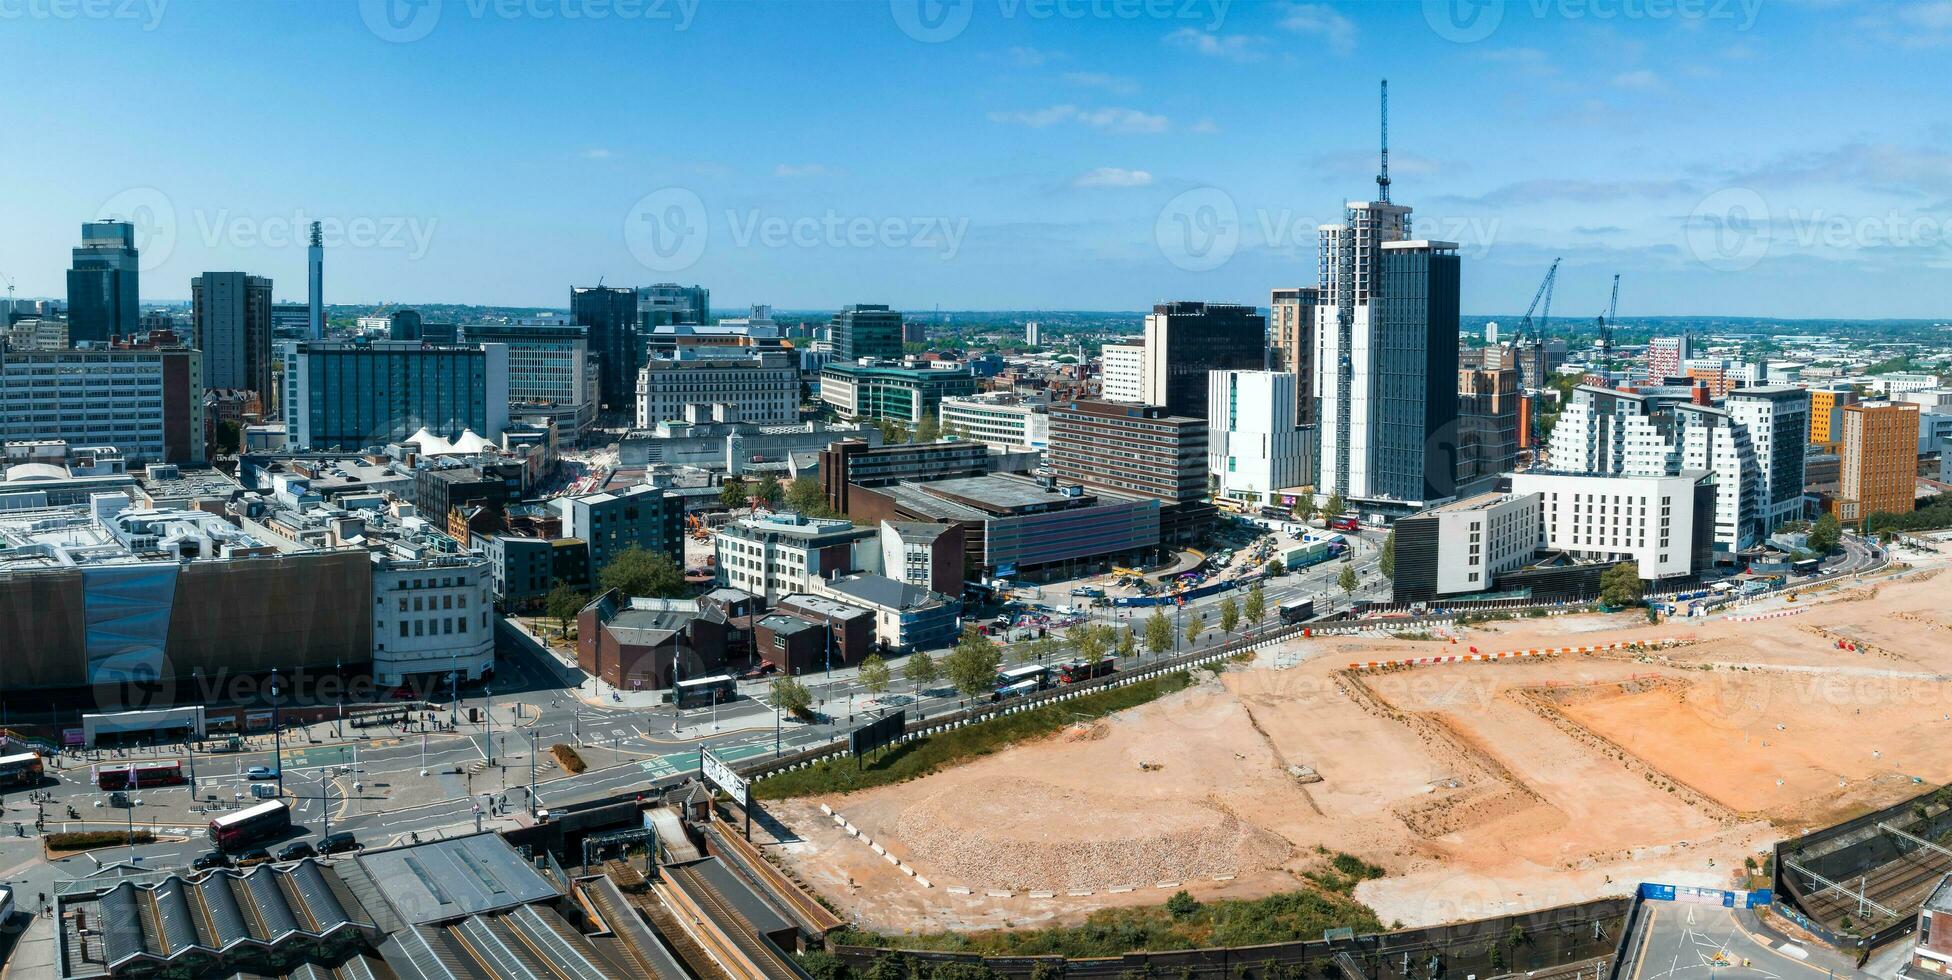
{"points": [[610, 313], [1826, 419], [1136, 449], [761, 387], [102, 284], [866, 330], [146, 402], [1879, 472], [350, 395], [549, 370], [231, 317], [1291, 334], [667, 303], [403, 325], [1033, 333], [1665, 355], [1778, 418], [1349, 270], [1186, 341], [1122, 367], [1487, 426], [1413, 358], [315, 284]]}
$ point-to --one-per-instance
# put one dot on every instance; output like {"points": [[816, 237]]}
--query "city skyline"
{"points": [[1006, 155]]}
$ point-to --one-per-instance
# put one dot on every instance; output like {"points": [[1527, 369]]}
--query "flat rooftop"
{"points": [[457, 877], [1483, 501]]}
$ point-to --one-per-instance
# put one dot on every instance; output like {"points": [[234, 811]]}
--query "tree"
{"points": [[229, 437], [807, 496], [874, 674], [1387, 563], [1335, 506], [1194, 627], [1620, 585], [1229, 614], [563, 603], [638, 571], [1158, 632], [1276, 567], [1039, 649], [1305, 508], [1089, 640], [1128, 643], [1256, 606], [1182, 905], [1347, 580], [920, 669], [769, 489], [792, 697], [929, 429], [1825, 534], [732, 493], [971, 666]]}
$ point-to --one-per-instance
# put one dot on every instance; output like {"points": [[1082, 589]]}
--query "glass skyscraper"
{"points": [[359, 394], [102, 283]]}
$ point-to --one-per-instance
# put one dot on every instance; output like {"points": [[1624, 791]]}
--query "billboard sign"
{"points": [[882, 731], [722, 776]]}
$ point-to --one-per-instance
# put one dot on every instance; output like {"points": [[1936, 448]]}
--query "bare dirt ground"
{"points": [[1481, 788]]}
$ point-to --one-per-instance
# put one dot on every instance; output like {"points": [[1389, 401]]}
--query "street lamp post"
{"points": [[277, 735], [196, 678], [488, 688], [339, 678], [532, 752]]}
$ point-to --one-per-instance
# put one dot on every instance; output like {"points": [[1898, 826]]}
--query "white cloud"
{"points": [[1323, 21], [1243, 48], [1113, 177], [1115, 84], [1204, 127], [1111, 119], [1032, 57], [597, 153], [1036, 118], [801, 170], [1123, 120], [1643, 79]]}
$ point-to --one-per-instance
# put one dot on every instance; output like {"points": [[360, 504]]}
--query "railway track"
{"points": [[752, 946], [1900, 884]]}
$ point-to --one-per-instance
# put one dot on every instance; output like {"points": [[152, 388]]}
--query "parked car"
{"points": [[210, 859], [260, 772], [253, 857], [336, 843], [296, 851]]}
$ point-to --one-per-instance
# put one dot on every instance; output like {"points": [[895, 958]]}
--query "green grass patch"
{"points": [[918, 758], [1180, 924]]}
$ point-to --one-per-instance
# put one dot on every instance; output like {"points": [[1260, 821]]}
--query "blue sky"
{"points": [[1759, 157]]}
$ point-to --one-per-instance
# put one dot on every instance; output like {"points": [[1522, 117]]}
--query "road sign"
{"points": [[722, 775]]}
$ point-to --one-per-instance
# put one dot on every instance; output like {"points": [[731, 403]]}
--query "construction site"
{"points": [[1488, 770]]}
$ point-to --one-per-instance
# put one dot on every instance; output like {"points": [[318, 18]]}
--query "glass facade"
{"points": [[1413, 441], [358, 395]]}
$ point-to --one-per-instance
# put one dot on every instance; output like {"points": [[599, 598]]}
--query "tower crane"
{"points": [[1606, 326], [1534, 332]]}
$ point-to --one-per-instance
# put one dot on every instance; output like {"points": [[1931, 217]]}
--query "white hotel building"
{"points": [[1254, 446], [999, 419]]}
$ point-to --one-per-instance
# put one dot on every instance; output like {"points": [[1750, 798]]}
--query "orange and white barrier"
{"points": [[1475, 657], [1778, 614]]}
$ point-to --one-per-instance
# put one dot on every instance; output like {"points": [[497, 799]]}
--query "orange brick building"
{"points": [[1879, 470]]}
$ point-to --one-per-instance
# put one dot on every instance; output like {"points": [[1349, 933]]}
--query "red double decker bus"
{"points": [[140, 775], [24, 769]]}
